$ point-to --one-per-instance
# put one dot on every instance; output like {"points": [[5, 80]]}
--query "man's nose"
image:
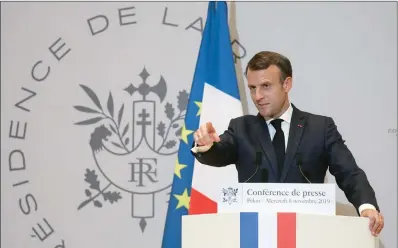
{"points": [[258, 95]]}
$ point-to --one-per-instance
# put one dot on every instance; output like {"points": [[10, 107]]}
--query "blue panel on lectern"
{"points": [[248, 230]]}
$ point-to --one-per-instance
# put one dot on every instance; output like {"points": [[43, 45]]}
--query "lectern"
{"points": [[264, 216]]}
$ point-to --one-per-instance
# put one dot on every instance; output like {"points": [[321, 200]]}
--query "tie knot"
{"points": [[277, 124]]}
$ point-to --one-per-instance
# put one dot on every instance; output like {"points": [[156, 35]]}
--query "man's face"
{"points": [[267, 92]]}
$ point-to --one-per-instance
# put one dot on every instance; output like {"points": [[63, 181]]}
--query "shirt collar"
{"points": [[287, 116]]}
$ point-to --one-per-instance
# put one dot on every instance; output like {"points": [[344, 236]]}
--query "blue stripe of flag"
{"points": [[221, 65], [248, 230]]}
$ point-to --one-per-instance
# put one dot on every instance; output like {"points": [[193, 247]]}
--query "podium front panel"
{"points": [[208, 231], [315, 231], [275, 230]]}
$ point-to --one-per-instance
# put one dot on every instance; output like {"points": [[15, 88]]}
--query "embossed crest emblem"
{"points": [[142, 125], [229, 195]]}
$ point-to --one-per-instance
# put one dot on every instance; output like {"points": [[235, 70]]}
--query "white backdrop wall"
{"points": [[59, 174]]}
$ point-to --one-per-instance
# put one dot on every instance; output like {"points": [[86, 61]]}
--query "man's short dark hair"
{"points": [[264, 59]]}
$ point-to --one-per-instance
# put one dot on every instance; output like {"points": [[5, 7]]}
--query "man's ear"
{"points": [[287, 84]]}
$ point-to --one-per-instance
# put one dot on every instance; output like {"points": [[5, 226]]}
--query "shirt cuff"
{"points": [[365, 206], [199, 149]]}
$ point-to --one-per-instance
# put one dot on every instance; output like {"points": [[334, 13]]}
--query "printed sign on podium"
{"points": [[278, 197]]}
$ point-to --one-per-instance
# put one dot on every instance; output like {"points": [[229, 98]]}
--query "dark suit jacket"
{"points": [[315, 137]]}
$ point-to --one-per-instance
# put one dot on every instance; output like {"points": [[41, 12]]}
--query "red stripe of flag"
{"points": [[201, 204], [286, 230]]}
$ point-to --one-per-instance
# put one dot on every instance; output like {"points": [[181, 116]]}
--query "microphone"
{"points": [[264, 175], [299, 159], [258, 158], [257, 162]]}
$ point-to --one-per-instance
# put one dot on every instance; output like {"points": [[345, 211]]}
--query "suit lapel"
{"points": [[296, 130], [262, 135]]}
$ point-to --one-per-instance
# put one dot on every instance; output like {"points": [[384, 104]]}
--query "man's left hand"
{"points": [[376, 223]]}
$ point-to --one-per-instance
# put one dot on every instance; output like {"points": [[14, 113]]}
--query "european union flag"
{"points": [[215, 66]]}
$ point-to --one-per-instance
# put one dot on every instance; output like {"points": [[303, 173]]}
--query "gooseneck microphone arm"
{"points": [[299, 159], [257, 162]]}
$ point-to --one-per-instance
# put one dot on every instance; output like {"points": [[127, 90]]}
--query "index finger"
{"points": [[210, 128]]}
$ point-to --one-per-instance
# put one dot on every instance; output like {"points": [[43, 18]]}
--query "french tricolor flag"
{"points": [[218, 108], [220, 103], [214, 97]]}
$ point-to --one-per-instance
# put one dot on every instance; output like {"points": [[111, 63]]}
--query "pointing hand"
{"points": [[205, 136]]}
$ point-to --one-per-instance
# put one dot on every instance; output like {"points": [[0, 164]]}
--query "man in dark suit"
{"points": [[299, 147]]}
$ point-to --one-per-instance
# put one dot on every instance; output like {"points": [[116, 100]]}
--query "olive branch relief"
{"points": [[115, 125]]}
